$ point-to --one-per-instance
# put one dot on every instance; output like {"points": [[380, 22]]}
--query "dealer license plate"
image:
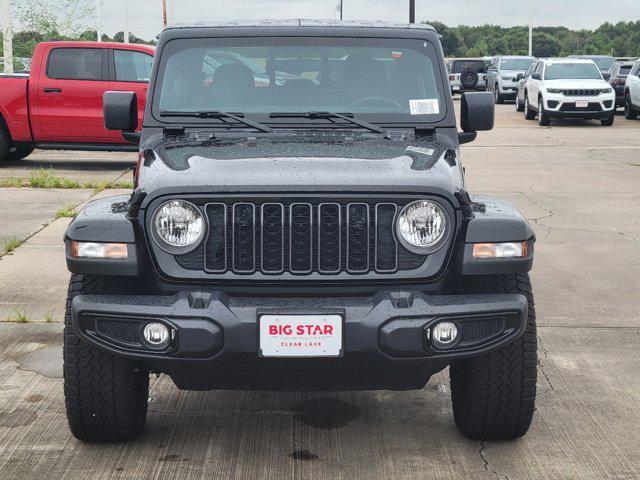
{"points": [[300, 335], [582, 103]]}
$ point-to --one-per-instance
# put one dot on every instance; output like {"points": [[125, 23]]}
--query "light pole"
{"points": [[412, 11], [126, 21], [7, 36], [99, 20], [530, 28], [339, 10], [164, 13]]}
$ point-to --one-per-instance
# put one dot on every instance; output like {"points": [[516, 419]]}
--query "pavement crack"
{"points": [[487, 467], [630, 237], [539, 220], [543, 371]]}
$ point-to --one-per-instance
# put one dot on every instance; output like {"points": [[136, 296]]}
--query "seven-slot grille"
{"points": [[581, 92], [301, 238]]}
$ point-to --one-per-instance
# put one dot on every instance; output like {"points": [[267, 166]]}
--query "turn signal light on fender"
{"points": [[500, 250], [99, 250]]}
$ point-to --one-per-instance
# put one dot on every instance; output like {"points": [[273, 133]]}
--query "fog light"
{"points": [[444, 334], [156, 335]]}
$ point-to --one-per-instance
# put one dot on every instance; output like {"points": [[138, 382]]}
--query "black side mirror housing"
{"points": [[536, 76], [606, 76], [477, 111], [520, 76], [121, 113]]}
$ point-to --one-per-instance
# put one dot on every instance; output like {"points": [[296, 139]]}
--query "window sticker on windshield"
{"points": [[426, 106], [421, 150]]}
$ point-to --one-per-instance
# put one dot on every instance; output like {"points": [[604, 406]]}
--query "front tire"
{"points": [[499, 97], [608, 122], [5, 142], [18, 153], [543, 118], [494, 396], [106, 396], [519, 106], [528, 113], [629, 112]]}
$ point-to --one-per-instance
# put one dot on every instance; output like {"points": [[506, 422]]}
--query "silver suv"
{"points": [[502, 76]]}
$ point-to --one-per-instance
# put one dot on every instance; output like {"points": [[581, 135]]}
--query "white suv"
{"points": [[568, 88], [632, 93]]}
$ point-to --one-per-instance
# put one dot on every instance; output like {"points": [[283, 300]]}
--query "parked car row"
{"points": [[587, 86]]}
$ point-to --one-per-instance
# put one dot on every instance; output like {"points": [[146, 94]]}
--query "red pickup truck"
{"points": [[59, 105]]}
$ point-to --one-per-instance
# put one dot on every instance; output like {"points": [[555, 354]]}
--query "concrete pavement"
{"points": [[576, 183]]}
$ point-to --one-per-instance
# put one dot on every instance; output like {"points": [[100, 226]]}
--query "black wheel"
{"points": [[519, 106], [629, 112], [528, 113], [494, 396], [608, 122], [499, 98], [5, 142], [543, 118], [106, 396], [469, 79], [18, 153]]}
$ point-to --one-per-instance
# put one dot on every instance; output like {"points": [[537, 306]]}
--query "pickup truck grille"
{"points": [[581, 92], [301, 238]]}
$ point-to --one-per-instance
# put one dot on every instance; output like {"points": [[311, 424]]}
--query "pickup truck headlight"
{"points": [[177, 227], [421, 226]]}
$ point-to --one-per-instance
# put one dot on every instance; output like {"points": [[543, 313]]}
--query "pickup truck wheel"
{"points": [[18, 153], [494, 396], [528, 113], [629, 112], [106, 396], [5, 142]]}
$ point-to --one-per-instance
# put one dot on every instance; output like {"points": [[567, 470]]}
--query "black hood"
{"points": [[302, 162]]}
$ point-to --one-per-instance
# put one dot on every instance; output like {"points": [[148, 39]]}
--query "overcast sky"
{"points": [[146, 15]]}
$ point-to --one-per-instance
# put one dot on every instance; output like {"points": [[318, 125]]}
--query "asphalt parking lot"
{"points": [[576, 182]]}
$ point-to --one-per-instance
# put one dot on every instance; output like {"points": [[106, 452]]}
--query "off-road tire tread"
{"points": [[494, 396], [106, 396]]}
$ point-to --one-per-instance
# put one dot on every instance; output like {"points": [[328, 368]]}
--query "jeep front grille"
{"points": [[581, 92], [300, 238]]}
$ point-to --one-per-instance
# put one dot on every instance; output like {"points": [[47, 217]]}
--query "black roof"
{"points": [[303, 23]]}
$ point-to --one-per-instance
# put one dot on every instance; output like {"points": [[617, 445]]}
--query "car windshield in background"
{"points": [[572, 71], [516, 63], [604, 63], [625, 69], [476, 66], [383, 79]]}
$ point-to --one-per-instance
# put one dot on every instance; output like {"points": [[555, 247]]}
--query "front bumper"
{"points": [[508, 88], [563, 106], [216, 342]]}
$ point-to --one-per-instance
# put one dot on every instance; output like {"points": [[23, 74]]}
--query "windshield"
{"points": [[385, 79], [572, 71], [516, 63], [476, 66], [625, 69], [603, 63]]}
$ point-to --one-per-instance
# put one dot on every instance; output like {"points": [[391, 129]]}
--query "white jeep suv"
{"points": [[568, 88], [502, 76], [632, 93]]}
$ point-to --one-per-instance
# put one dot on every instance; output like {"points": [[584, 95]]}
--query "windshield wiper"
{"points": [[238, 117], [328, 115]]}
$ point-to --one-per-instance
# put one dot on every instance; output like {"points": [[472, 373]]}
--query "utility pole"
{"points": [[412, 11], [99, 20], [126, 21], [339, 10], [530, 28], [164, 13], [7, 36]]}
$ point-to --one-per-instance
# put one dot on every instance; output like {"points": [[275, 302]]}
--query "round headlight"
{"points": [[178, 226], [421, 225]]}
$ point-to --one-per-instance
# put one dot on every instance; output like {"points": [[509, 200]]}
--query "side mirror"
{"points": [[520, 76], [121, 113], [536, 76], [606, 76], [477, 112]]}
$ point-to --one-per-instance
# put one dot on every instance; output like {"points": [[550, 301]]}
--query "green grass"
{"points": [[18, 316], [47, 179], [67, 210], [48, 318], [10, 244]]}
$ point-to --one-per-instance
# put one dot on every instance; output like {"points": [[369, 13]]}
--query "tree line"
{"points": [[621, 40]]}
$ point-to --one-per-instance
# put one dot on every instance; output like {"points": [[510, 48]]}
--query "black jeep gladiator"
{"points": [[307, 227]]}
